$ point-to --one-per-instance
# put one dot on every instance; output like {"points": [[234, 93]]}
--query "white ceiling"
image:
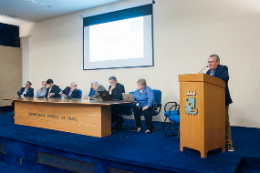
{"points": [[28, 12]]}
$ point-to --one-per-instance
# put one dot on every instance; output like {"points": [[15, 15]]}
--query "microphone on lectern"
{"points": [[203, 68]]}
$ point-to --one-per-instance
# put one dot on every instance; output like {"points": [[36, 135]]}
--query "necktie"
{"points": [[70, 93]]}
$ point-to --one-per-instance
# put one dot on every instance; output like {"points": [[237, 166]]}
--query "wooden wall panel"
{"points": [[11, 73]]}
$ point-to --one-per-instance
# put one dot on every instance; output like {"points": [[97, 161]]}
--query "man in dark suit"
{"points": [[115, 90], [70, 92], [52, 90], [26, 91], [221, 71]]}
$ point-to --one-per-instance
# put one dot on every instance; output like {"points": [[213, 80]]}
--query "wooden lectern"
{"points": [[202, 113]]}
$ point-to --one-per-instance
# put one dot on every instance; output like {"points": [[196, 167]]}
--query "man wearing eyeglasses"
{"points": [[221, 71]]}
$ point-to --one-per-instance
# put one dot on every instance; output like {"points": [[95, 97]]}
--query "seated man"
{"points": [[115, 90], [26, 91], [97, 87], [52, 90], [42, 91], [70, 92]]}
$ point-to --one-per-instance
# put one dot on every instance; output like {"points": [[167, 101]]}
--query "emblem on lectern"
{"points": [[190, 103]]}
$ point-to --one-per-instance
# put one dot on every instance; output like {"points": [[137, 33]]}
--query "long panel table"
{"points": [[81, 116]]}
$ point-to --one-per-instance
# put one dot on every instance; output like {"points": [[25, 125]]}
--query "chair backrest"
{"points": [[59, 91], [80, 93], [157, 95], [91, 92], [132, 92], [158, 99]]}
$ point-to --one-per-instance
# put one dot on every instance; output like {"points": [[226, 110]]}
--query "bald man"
{"points": [[70, 91]]}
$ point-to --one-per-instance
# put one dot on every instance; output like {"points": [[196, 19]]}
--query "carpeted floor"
{"points": [[6, 168], [151, 150]]}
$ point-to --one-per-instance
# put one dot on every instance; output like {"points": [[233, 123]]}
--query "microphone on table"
{"points": [[203, 68]]}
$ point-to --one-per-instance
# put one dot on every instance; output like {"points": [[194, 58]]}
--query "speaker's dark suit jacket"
{"points": [[117, 92], [55, 89], [74, 94], [29, 92], [222, 72]]}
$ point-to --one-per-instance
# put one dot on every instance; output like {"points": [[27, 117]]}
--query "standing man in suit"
{"points": [[70, 92], [26, 91], [115, 90], [221, 71], [52, 90]]}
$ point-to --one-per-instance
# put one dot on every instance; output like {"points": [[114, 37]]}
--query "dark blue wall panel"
{"points": [[9, 35], [118, 15]]}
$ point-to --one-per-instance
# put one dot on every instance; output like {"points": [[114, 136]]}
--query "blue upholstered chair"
{"points": [[174, 120], [170, 108], [80, 93], [91, 92], [158, 102], [60, 91], [157, 107]]}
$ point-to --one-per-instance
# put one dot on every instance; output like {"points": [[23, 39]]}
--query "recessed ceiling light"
{"points": [[40, 3], [8, 15]]}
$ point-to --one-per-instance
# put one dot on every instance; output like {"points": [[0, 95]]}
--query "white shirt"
{"points": [[49, 92], [25, 90]]}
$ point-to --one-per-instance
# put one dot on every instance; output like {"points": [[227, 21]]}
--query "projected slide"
{"points": [[119, 39], [123, 39]]}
